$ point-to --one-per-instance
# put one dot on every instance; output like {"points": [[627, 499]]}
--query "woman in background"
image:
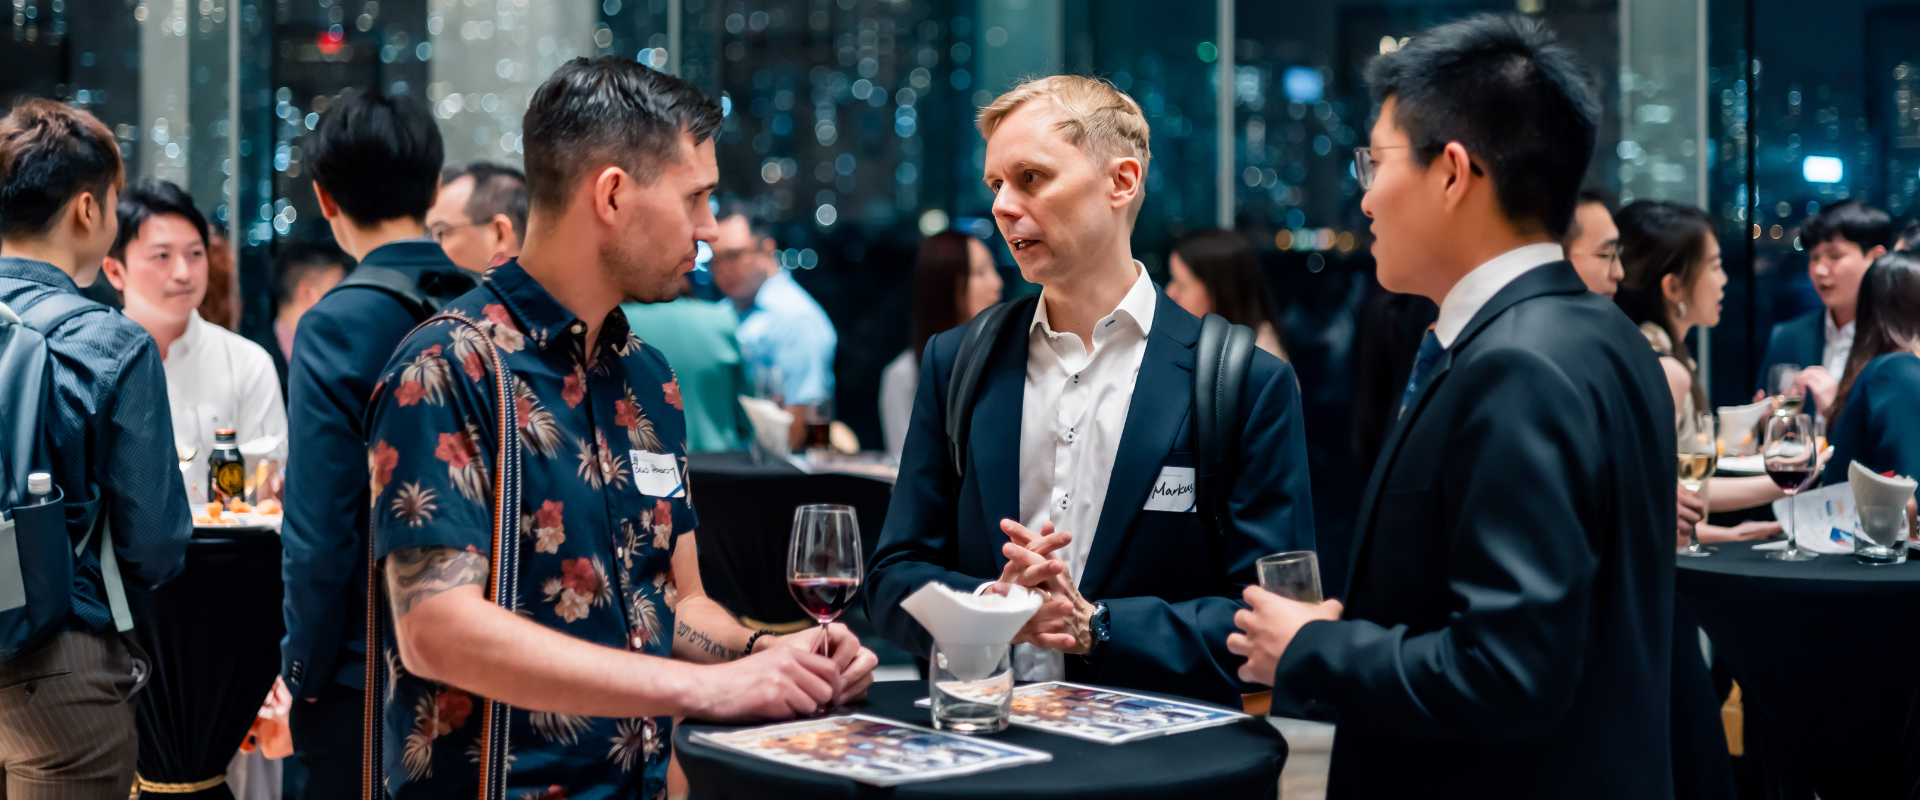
{"points": [[954, 278], [1216, 271], [1876, 414]]}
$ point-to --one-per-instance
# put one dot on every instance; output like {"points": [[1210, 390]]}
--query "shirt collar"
{"points": [[777, 282], [1136, 307], [191, 339], [1477, 287], [39, 272], [542, 317], [1836, 332]]}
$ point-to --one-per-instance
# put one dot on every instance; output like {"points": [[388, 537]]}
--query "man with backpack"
{"points": [[1060, 443], [67, 679], [375, 163]]}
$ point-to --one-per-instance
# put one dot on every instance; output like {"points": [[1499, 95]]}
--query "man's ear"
{"points": [[502, 228], [328, 208], [116, 272], [606, 187], [1457, 170], [1875, 254], [1126, 173]]}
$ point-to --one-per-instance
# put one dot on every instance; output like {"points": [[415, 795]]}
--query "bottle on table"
{"points": [[226, 469]]}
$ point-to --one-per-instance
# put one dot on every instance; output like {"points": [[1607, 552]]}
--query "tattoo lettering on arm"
{"points": [[686, 633], [417, 573]]}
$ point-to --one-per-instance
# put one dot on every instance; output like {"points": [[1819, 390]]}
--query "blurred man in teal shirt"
{"points": [[698, 340]]}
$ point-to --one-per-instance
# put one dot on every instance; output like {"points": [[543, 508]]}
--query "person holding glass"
{"points": [[1215, 271], [1876, 410], [1673, 282], [954, 278]]}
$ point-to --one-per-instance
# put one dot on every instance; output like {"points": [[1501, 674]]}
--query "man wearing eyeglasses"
{"points": [[1593, 243], [480, 215]]}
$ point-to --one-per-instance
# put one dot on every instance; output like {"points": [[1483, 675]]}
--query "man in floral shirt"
{"points": [[611, 635]]}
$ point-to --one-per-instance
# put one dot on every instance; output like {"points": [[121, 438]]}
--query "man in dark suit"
{"points": [[1083, 411], [1507, 627], [1841, 242]]}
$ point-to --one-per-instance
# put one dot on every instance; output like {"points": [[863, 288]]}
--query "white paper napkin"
{"points": [[772, 425], [972, 630], [1737, 424], [1878, 491]]}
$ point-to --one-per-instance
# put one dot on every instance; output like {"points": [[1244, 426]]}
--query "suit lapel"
{"points": [[1162, 399], [994, 436], [1555, 278]]}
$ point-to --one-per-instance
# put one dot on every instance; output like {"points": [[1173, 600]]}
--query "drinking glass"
{"points": [[1883, 536], [1294, 575], [820, 425], [1791, 452], [1699, 454], [824, 562], [1787, 400], [971, 687]]}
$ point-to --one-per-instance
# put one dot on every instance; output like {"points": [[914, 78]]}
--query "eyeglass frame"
{"points": [[438, 233], [1364, 156]]}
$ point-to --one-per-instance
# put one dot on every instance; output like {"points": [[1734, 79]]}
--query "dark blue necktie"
{"points": [[1430, 351]]}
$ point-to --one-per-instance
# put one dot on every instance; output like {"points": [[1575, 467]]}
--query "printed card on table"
{"points": [[873, 750], [1108, 716]]}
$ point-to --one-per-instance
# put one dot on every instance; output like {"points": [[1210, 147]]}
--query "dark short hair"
{"points": [[1588, 195], [148, 198], [1851, 220], [378, 156], [609, 110], [497, 189], [1225, 263], [298, 262], [50, 153], [1503, 89]]}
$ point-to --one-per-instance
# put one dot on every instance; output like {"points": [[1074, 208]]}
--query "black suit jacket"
{"points": [[1801, 340], [1171, 585], [1509, 615]]}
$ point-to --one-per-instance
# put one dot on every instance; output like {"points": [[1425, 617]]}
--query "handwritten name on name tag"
{"points": [[1173, 491], [656, 474]]}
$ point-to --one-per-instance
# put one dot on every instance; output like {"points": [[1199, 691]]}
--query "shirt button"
{"points": [[577, 327]]}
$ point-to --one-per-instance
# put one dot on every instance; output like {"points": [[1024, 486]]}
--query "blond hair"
{"points": [[1095, 116]]}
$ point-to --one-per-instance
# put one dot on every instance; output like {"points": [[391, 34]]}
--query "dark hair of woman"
{"points": [[1888, 316], [1223, 262], [939, 285], [1657, 239]]}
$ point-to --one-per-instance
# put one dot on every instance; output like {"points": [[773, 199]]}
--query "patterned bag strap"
{"points": [[503, 587]]}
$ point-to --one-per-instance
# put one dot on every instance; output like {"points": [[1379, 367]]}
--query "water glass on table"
{"points": [[824, 562], [970, 687], [1294, 575], [1883, 535], [1699, 454], [1791, 449]]}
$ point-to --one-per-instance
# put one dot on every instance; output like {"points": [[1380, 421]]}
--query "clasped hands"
{"points": [[1064, 621]]}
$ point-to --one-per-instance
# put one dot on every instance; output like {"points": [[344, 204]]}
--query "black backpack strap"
{"points": [[1221, 360], [53, 311], [411, 293], [969, 364]]}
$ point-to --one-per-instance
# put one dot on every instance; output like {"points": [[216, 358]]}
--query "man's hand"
{"points": [[854, 662], [775, 684], [1037, 564], [1269, 624], [1820, 385], [1065, 619], [1692, 508]]}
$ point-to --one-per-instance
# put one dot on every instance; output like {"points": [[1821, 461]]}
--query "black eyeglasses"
{"points": [[1364, 165]]}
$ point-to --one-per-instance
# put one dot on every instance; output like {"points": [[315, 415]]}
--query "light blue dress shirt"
{"points": [[785, 328]]}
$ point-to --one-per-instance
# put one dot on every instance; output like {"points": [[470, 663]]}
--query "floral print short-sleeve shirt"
{"points": [[596, 558]]}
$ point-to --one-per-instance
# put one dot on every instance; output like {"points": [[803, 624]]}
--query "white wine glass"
{"points": [[1699, 454], [1791, 452]]}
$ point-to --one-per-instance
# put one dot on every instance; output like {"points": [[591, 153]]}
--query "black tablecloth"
{"points": [[1824, 655], [746, 518], [214, 635], [1237, 761]]}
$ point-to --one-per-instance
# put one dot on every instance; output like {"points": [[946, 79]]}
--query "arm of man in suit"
{"points": [[920, 541], [1520, 567]]}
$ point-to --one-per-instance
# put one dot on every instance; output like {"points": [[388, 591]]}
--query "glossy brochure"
{"points": [[873, 750], [1108, 716]]}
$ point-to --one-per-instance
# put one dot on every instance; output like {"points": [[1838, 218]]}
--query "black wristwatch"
{"points": [[1101, 630]]}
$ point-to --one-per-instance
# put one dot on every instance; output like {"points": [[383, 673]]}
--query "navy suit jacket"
{"points": [[339, 350], [1510, 607], [1171, 585], [1880, 425], [1801, 340]]}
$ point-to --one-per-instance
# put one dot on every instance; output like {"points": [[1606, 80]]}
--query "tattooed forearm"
{"points": [[417, 573], [685, 633]]}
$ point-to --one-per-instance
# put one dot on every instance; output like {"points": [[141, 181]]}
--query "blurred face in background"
{"points": [[1703, 298], [1835, 266], [1186, 291], [163, 275], [983, 281], [1057, 205], [741, 261], [471, 243], [1595, 251]]}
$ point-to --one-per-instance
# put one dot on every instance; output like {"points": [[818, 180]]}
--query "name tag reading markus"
{"points": [[656, 474], [1173, 491]]}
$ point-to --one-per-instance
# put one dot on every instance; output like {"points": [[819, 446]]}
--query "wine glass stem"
{"points": [[1793, 538]]}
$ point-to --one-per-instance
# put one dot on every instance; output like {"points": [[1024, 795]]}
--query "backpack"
{"points": [[422, 299], [1222, 357], [36, 552]]}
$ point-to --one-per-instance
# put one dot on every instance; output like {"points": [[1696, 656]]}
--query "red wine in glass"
{"points": [[1792, 480], [824, 565], [824, 598], [1791, 451]]}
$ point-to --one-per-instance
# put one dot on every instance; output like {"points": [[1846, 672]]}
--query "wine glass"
{"points": [[1787, 398], [1791, 452], [824, 562], [1699, 453]]}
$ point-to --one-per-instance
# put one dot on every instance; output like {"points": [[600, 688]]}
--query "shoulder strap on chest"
{"points": [[1222, 358], [976, 347], [50, 313]]}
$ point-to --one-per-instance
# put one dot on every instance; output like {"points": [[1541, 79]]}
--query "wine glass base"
{"points": [[1782, 555], [1687, 552]]}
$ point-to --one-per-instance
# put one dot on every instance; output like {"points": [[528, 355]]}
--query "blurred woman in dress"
{"points": [[954, 278], [1215, 271], [1876, 410]]}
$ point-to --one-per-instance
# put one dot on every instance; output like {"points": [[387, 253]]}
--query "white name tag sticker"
{"points": [[1173, 491], [656, 474]]}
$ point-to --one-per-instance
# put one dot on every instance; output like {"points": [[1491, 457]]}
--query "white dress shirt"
{"points": [[898, 384], [1071, 418], [1477, 287], [218, 379], [1839, 345]]}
